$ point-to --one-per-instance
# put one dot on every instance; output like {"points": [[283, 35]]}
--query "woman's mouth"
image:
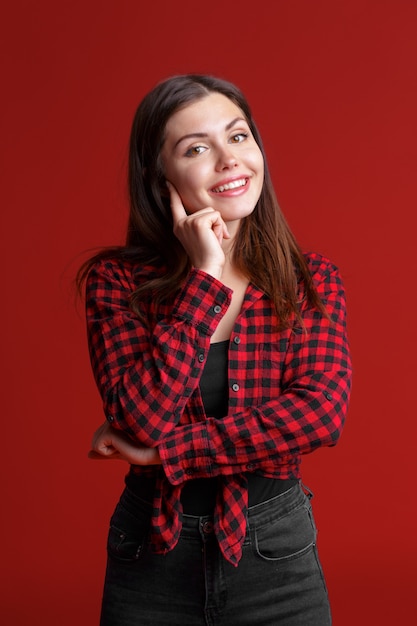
{"points": [[234, 184]]}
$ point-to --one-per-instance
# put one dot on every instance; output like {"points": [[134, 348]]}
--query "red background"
{"points": [[333, 88]]}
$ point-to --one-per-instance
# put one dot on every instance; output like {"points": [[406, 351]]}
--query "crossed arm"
{"points": [[109, 443]]}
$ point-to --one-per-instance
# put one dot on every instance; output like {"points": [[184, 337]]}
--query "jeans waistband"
{"points": [[259, 514]]}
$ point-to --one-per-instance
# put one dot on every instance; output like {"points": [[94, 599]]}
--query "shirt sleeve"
{"points": [[146, 371], [308, 413]]}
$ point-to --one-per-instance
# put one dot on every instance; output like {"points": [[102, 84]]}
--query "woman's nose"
{"points": [[226, 159]]}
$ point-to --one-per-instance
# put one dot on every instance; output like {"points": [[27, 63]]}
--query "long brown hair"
{"points": [[265, 250]]}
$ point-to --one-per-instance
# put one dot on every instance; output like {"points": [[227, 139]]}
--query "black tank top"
{"points": [[199, 495]]}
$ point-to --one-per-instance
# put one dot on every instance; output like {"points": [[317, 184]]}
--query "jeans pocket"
{"points": [[287, 537], [124, 546], [129, 529]]}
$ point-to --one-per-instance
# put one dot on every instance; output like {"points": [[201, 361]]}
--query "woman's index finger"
{"points": [[177, 207]]}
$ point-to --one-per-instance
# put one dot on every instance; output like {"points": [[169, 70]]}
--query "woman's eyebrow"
{"points": [[202, 135]]}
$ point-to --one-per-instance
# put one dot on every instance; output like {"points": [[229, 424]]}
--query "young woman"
{"points": [[220, 352]]}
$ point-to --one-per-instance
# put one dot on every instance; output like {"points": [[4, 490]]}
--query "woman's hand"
{"points": [[201, 235], [109, 443]]}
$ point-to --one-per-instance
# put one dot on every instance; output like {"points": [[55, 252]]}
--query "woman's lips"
{"points": [[232, 185]]}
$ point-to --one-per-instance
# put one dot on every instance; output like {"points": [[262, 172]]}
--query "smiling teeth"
{"points": [[232, 185]]}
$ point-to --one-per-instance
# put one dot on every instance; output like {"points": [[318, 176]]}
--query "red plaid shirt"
{"points": [[288, 390]]}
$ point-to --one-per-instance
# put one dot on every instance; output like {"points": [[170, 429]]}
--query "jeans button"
{"points": [[208, 527]]}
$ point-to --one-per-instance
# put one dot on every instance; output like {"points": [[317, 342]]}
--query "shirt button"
{"points": [[201, 357], [189, 471], [236, 340], [110, 418], [235, 387], [217, 308], [250, 467], [328, 395]]}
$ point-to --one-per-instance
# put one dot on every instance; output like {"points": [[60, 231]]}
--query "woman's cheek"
{"points": [[191, 197]]}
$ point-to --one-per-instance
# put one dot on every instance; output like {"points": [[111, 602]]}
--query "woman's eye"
{"points": [[195, 150], [239, 137]]}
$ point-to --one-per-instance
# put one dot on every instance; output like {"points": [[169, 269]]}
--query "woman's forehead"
{"points": [[209, 111]]}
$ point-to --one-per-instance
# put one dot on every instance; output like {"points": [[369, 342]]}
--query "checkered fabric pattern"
{"points": [[288, 390]]}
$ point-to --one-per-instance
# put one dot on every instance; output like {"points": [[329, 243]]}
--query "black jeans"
{"points": [[278, 582]]}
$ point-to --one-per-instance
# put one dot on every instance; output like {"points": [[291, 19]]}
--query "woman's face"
{"points": [[212, 159]]}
